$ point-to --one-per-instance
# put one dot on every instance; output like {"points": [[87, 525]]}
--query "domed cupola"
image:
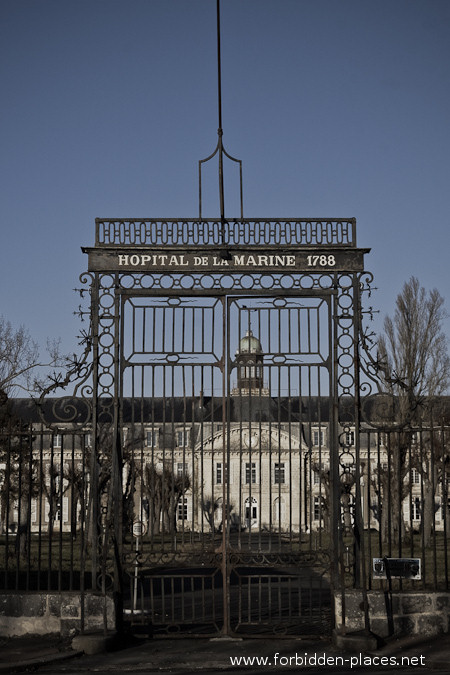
{"points": [[249, 358], [249, 344]]}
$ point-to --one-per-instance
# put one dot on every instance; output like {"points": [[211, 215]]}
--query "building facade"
{"points": [[267, 458]]}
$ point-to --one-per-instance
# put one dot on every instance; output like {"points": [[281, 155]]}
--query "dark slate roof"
{"points": [[310, 409], [177, 409]]}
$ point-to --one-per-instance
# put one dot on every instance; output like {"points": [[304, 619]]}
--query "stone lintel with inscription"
{"points": [[245, 259]]}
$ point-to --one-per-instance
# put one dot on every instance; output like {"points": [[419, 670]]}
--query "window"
{"points": [[183, 509], [415, 477], [183, 438], [152, 438], [181, 470], [57, 441], [251, 509], [219, 475], [250, 370], [250, 472], [88, 440], [279, 473], [318, 473], [318, 437], [318, 508], [349, 438], [34, 509], [416, 509]]}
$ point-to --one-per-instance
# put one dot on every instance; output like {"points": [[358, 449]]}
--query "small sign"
{"points": [[138, 528], [397, 568]]}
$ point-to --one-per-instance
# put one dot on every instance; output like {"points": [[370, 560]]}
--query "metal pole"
{"points": [[136, 565], [225, 473], [220, 130]]}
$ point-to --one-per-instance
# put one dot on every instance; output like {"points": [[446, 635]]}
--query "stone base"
{"points": [[44, 613], [395, 613], [355, 642]]}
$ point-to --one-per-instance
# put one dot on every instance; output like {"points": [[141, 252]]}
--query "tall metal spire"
{"points": [[219, 149], [220, 130]]}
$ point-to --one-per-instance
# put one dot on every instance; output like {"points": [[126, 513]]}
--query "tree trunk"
{"points": [[22, 530], [426, 524]]}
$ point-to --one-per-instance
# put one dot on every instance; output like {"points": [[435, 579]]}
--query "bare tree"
{"points": [[413, 350], [17, 474], [75, 477], [20, 360], [53, 490], [415, 368], [152, 490], [210, 506], [17, 488], [164, 489]]}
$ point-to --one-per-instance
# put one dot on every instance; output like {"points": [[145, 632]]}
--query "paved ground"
{"points": [[52, 655]]}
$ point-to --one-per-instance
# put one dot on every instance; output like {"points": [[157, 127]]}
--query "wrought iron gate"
{"points": [[223, 358]]}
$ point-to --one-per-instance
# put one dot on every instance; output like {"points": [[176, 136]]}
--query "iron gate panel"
{"points": [[228, 451], [172, 356], [220, 454], [279, 356]]}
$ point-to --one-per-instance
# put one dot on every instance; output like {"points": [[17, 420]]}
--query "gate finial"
{"points": [[219, 149]]}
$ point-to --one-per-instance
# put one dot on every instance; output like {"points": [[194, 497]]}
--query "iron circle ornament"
{"points": [[187, 281], [267, 281], [207, 281], [287, 281]]}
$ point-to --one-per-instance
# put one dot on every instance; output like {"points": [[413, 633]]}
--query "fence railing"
{"points": [[46, 529], [50, 539], [212, 232], [405, 505]]}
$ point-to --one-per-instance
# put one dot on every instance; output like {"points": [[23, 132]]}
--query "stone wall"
{"points": [[41, 613], [396, 613]]}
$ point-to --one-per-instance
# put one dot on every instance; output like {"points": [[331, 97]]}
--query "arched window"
{"points": [[251, 509]]}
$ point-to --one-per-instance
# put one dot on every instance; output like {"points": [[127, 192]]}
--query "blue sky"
{"points": [[336, 107]]}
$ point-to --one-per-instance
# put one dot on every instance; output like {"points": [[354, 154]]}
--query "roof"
{"points": [[189, 409]]}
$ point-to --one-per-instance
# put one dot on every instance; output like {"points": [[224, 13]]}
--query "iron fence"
{"points": [[46, 529], [49, 539], [404, 490]]}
